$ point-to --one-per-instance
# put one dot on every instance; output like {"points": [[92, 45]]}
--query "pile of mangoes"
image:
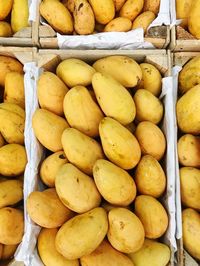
{"points": [[100, 125], [87, 17]]}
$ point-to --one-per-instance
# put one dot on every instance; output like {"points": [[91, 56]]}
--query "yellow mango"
{"points": [[57, 15], [84, 20], [12, 160], [2, 141], [5, 29], [50, 167], [12, 123], [81, 150], [8, 251], [48, 129], [92, 226], [11, 192], [113, 98], [14, 89], [5, 8], [82, 112], [122, 68], [76, 190], [131, 9], [126, 232], [152, 5], [153, 216], [182, 11], [11, 226], [8, 64], [75, 72], [111, 180], [105, 254], [46, 209], [119, 4], [119, 145], [52, 88], [19, 15], [143, 20], [104, 10], [193, 19], [119, 24]]}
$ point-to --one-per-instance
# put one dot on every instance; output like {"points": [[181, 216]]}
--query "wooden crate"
{"points": [[184, 259], [27, 37], [182, 40]]}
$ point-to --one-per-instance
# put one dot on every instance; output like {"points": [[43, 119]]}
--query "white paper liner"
{"points": [[116, 40], [168, 129], [176, 71], [34, 155], [32, 10]]}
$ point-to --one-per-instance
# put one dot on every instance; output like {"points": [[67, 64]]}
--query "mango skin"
{"points": [[131, 9], [45, 124], [92, 226], [191, 232], [152, 5], [5, 29], [104, 11], [5, 8], [119, 143], [144, 20], [57, 15], [19, 15], [193, 19], [11, 192], [119, 25]]}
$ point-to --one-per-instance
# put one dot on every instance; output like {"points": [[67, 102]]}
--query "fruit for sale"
{"points": [[191, 232], [113, 98], [46, 209], [104, 10], [5, 29], [151, 139], [14, 89], [11, 192], [81, 150], [47, 250], [152, 251], [122, 68], [190, 187], [50, 167], [193, 19], [69, 4], [12, 160], [182, 11], [57, 15], [19, 15], [152, 215], [76, 190], [82, 112], [131, 9], [105, 254], [12, 123], [150, 177], [119, 4], [5, 8], [2, 141], [8, 64], [75, 72], [8, 251], [91, 226], [84, 20], [11, 226], [143, 20], [52, 88], [119, 24], [48, 129], [119, 145], [151, 79], [115, 184], [188, 150], [189, 75], [126, 232], [148, 107], [152, 5]]}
